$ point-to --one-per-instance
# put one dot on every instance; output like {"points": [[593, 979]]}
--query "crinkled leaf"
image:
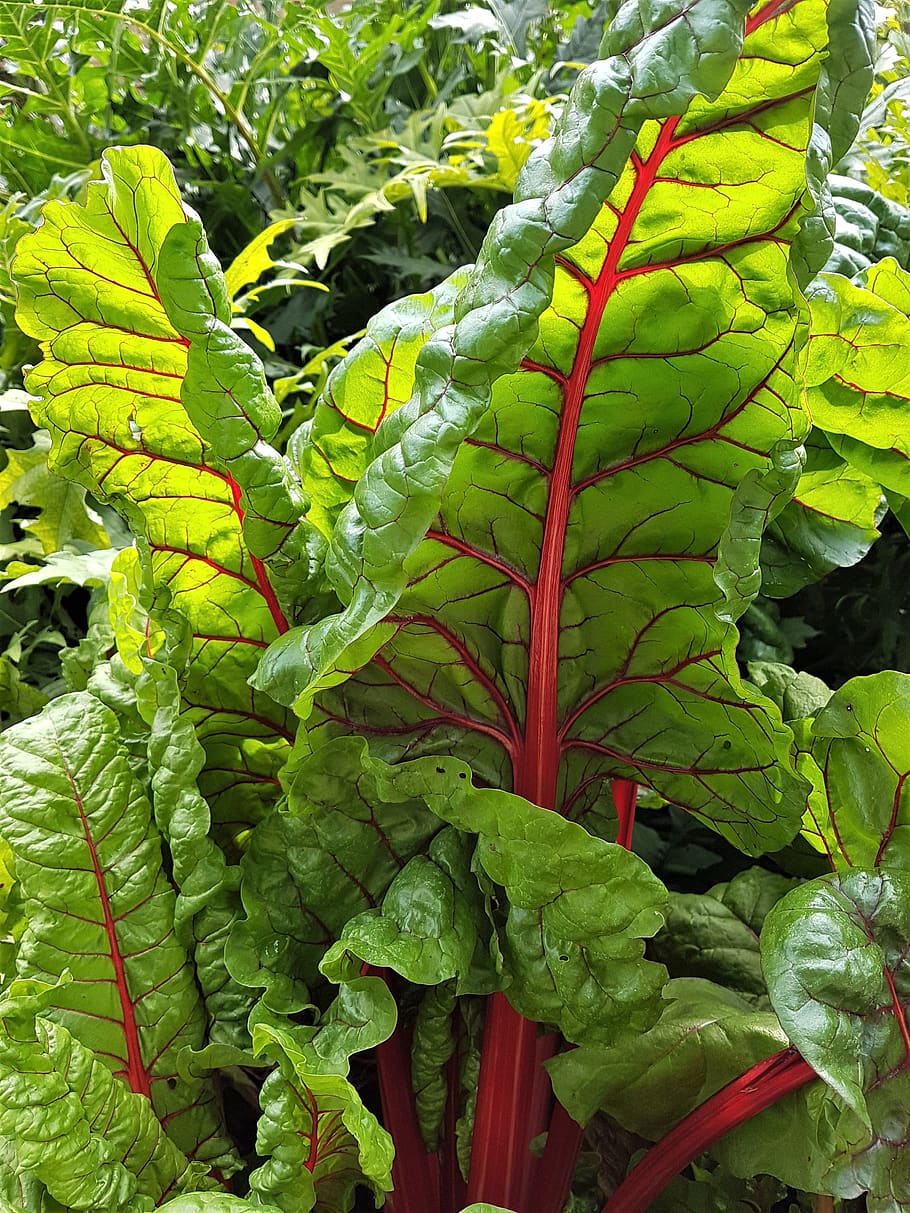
{"points": [[321, 1139], [830, 523], [571, 943], [99, 905], [704, 1039], [641, 353], [72, 566], [432, 1046], [859, 370], [208, 896], [63, 516], [859, 748], [868, 227], [109, 392], [306, 874], [215, 1202], [835, 956], [797, 694], [88, 1139]]}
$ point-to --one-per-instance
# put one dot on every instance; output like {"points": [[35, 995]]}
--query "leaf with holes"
{"points": [[97, 903], [109, 390], [857, 755], [504, 541], [835, 956]]}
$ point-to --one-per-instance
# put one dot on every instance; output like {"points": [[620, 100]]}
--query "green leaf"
{"points": [[73, 566], [109, 389], [88, 1139], [797, 694], [830, 523], [578, 908], [432, 1046], [835, 956], [859, 809], [63, 515], [623, 355], [704, 1039], [215, 1202], [715, 935], [208, 896], [868, 227], [321, 1139], [858, 371], [98, 904]]}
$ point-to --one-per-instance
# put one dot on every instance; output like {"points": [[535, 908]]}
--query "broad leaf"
{"points": [[859, 373], [98, 904], [63, 516], [830, 523], [859, 748], [109, 391], [498, 541], [715, 934], [704, 1039], [868, 228], [71, 1126], [835, 956]]}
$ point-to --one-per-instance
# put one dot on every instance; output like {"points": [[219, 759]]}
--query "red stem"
{"points": [[554, 1172], [624, 797], [502, 1132], [415, 1173], [739, 1101]]}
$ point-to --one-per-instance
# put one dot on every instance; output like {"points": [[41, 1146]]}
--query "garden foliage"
{"points": [[319, 878]]}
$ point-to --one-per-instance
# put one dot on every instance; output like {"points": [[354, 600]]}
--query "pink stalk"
{"points": [[739, 1101]]}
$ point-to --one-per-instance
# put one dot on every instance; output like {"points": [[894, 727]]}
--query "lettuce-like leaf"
{"points": [[633, 314], [98, 905], [71, 1126], [109, 391]]}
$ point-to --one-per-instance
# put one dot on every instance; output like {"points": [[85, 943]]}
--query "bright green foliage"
{"points": [[505, 532], [830, 523], [321, 1139], [110, 388], [98, 905], [26, 479], [859, 809], [835, 955], [858, 371], [89, 1140]]}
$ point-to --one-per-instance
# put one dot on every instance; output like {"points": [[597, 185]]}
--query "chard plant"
{"points": [[319, 884]]}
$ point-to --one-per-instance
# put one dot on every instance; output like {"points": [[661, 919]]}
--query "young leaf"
{"points": [[109, 388], [84, 1136], [641, 368], [859, 809], [321, 1139], [835, 956], [99, 905]]}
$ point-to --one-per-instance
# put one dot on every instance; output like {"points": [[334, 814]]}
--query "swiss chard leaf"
{"points": [[109, 391], [705, 1038], [642, 367], [835, 956], [98, 904], [72, 1128], [858, 749]]}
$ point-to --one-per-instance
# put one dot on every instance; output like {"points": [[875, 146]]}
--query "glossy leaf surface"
{"points": [[110, 393], [835, 956], [72, 1127], [859, 809], [588, 499], [99, 905]]}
